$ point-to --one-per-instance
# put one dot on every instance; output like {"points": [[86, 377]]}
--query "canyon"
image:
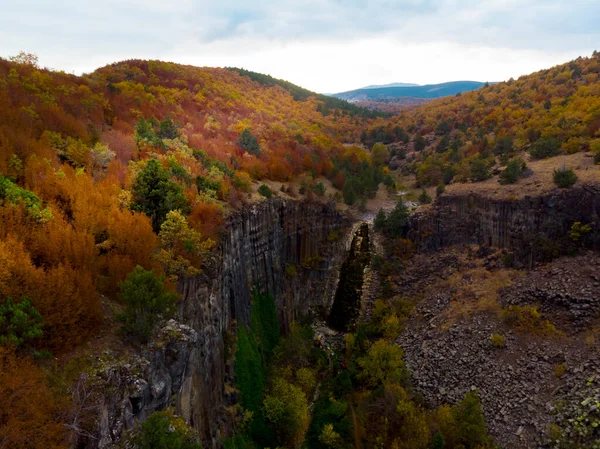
{"points": [[296, 250]]}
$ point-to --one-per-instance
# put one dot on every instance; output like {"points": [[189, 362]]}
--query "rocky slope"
{"points": [[534, 383]]}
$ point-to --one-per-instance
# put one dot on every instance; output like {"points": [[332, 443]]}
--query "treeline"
{"points": [[329, 105]]}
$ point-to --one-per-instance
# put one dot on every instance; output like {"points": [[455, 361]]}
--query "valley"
{"points": [[203, 257]]}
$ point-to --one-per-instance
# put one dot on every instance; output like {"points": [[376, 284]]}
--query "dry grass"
{"points": [[538, 183], [475, 290]]}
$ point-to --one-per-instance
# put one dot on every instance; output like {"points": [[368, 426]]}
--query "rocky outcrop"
{"points": [[133, 389], [291, 250], [532, 228]]}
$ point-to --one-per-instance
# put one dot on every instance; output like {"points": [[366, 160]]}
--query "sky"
{"points": [[327, 46]]}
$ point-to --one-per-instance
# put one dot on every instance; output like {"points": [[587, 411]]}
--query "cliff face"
{"points": [[291, 250], [532, 228]]}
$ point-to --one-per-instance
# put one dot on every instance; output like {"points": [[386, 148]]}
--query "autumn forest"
{"points": [[126, 175]]}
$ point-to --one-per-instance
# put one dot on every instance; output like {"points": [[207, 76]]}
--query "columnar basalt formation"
{"points": [[291, 250], [532, 228]]}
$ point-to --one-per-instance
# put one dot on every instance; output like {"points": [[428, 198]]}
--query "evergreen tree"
{"points": [[380, 221], [19, 322], [156, 195], [146, 300], [167, 129], [564, 177], [249, 143], [424, 198], [420, 143], [512, 172], [349, 193], [397, 220]]}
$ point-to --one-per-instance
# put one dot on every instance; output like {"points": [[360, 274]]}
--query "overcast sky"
{"points": [[326, 46]]}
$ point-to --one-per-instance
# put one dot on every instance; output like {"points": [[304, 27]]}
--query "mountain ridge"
{"points": [[425, 91]]}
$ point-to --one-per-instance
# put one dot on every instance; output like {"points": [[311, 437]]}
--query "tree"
{"points": [[146, 301], [349, 193], [25, 58], [380, 155], [397, 220], [286, 408], [249, 143], [513, 171], [330, 437], [382, 363], [468, 416], [419, 144], [167, 129], [156, 195], [545, 147], [182, 249], [440, 189], [564, 177], [28, 412], [19, 322], [480, 170], [424, 197], [380, 221], [504, 145], [164, 430]]}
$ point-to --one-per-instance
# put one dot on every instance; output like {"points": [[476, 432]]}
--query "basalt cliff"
{"points": [[291, 250]]}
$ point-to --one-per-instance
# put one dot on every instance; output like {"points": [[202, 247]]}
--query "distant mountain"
{"points": [[377, 86], [427, 91]]}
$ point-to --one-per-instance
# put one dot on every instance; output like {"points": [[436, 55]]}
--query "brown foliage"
{"points": [[28, 415]]}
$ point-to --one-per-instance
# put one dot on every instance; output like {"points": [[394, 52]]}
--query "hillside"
{"points": [[74, 158], [427, 91], [470, 137]]}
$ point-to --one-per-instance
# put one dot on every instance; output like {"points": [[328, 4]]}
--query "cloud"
{"points": [[321, 43]]}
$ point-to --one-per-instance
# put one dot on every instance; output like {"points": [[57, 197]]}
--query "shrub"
{"points": [[424, 198], [497, 340], [564, 177], [19, 322], [146, 300], [319, 189], [579, 230], [164, 430], [291, 271], [560, 370], [333, 236], [513, 171], [528, 319], [265, 191]]}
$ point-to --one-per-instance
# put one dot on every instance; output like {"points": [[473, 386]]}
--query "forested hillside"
{"points": [[551, 112], [92, 165]]}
